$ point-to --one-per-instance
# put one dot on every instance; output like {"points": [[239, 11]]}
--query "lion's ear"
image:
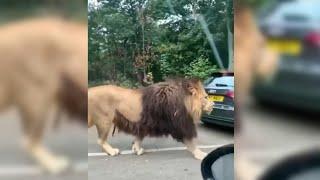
{"points": [[191, 88]]}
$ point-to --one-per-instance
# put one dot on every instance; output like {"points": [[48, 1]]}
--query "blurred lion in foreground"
{"points": [[254, 61], [43, 67], [166, 108]]}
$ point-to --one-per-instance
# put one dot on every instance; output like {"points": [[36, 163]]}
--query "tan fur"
{"points": [[103, 101], [252, 57], [252, 60], [198, 103], [34, 55]]}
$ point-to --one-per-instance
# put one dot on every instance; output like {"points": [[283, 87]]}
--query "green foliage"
{"points": [[159, 37], [121, 81], [200, 68], [17, 9], [255, 3]]}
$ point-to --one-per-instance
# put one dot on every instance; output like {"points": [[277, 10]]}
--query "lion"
{"points": [[253, 61], [43, 69], [173, 107]]}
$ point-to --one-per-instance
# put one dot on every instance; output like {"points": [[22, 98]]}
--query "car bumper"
{"points": [[220, 117], [300, 98]]}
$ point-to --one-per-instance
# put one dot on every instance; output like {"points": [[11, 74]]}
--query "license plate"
{"points": [[290, 47], [216, 98]]}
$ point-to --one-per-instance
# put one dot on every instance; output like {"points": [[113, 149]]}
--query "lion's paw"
{"points": [[199, 154], [138, 150], [114, 152], [57, 166]]}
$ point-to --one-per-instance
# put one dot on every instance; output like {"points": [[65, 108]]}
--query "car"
{"points": [[220, 90], [293, 30], [295, 85]]}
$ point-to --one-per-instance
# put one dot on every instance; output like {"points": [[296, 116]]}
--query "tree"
{"points": [[139, 40]]}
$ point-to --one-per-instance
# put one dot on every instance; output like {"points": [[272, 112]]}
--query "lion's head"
{"points": [[197, 102]]}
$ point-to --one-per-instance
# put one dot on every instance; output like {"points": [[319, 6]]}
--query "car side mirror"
{"points": [[303, 166], [219, 164]]}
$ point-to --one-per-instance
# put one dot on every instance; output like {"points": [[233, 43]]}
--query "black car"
{"points": [[220, 88], [293, 30]]}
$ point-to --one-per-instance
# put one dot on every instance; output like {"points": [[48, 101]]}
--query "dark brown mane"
{"points": [[73, 98], [164, 112]]}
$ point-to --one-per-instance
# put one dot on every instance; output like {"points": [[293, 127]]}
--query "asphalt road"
{"points": [[74, 141], [169, 161], [268, 135], [271, 133], [69, 140]]}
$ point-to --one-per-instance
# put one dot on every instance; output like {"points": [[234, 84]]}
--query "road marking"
{"points": [[125, 152], [20, 170], [32, 170]]}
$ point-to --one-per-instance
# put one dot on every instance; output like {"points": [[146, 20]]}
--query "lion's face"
{"points": [[200, 96], [206, 105]]}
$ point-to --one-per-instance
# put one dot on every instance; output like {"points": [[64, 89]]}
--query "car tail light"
{"points": [[313, 39], [230, 94]]}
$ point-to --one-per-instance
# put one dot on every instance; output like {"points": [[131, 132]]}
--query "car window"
{"points": [[226, 81], [298, 11], [295, 17], [208, 81]]}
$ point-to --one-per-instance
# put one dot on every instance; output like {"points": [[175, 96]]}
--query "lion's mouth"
{"points": [[208, 109], [208, 112]]}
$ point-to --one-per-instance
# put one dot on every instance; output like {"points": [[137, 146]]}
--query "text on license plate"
{"points": [[290, 47], [215, 98]]}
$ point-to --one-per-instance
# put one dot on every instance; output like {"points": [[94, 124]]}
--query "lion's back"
{"points": [[100, 92]]}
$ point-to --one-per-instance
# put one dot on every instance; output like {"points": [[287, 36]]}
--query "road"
{"points": [[69, 139], [169, 161], [268, 135], [74, 141], [271, 133]]}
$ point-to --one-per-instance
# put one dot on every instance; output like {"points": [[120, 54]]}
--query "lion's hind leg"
{"points": [[103, 128], [136, 146]]}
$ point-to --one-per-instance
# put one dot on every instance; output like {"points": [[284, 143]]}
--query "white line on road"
{"points": [[125, 152], [20, 170], [32, 170]]}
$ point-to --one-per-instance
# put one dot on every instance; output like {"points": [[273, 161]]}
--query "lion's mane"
{"points": [[164, 112]]}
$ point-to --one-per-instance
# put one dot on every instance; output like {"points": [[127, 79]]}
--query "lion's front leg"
{"points": [[136, 146], [32, 143], [45, 158], [191, 147], [33, 132]]}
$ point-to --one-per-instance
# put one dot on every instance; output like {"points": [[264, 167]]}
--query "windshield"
{"points": [[226, 81], [298, 11]]}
